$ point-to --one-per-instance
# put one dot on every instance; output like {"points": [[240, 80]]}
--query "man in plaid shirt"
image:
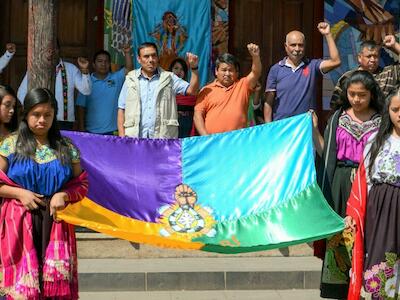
{"points": [[388, 77]]}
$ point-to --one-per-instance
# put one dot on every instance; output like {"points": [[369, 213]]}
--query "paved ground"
{"points": [[199, 274], [209, 295], [200, 264], [118, 270], [97, 245]]}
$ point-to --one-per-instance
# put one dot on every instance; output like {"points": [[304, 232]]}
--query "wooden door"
{"points": [[78, 32]]}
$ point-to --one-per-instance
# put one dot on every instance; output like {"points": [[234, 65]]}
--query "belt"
{"points": [[185, 108], [347, 163], [185, 113]]}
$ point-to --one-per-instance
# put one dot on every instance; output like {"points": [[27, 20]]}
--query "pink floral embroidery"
{"points": [[380, 279]]}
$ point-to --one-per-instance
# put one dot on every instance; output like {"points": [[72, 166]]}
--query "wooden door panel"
{"points": [[246, 26], [72, 22], [18, 12], [293, 15]]}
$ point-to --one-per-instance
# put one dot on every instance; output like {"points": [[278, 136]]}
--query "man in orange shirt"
{"points": [[222, 105]]}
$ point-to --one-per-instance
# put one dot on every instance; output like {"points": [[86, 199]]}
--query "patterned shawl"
{"points": [[20, 267], [356, 208]]}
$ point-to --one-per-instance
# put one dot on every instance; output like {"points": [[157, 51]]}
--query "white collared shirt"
{"points": [[5, 59], [294, 69], [75, 79]]}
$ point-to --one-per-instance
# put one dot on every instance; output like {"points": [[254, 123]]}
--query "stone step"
{"points": [[199, 273], [201, 295], [97, 245]]}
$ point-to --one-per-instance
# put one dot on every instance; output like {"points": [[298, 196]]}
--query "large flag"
{"points": [[177, 27], [245, 190]]}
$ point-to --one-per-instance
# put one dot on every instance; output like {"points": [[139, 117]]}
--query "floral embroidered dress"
{"points": [[38, 255], [382, 226], [350, 137]]}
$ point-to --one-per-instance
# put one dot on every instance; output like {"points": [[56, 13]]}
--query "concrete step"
{"points": [[201, 295], [97, 245], [199, 274]]}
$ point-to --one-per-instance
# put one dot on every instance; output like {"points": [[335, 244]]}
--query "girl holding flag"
{"points": [[356, 118], [373, 211], [39, 174]]}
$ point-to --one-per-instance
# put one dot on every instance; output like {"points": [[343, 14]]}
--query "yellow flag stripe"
{"points": [[88, 214]]}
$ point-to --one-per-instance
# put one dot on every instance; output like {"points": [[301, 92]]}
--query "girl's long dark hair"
{"points": [[26, 143], [4, 91], [385, 130], [364, 77]]}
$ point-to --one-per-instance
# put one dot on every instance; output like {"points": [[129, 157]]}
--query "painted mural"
{"points": [[220, 27], [117, 28], [118, 25]]}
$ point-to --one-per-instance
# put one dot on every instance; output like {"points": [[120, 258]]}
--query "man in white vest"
{"points": [[147, 105]]}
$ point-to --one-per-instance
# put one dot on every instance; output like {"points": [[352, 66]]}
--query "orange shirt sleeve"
{"points": [[201, 102], [246, 84]]}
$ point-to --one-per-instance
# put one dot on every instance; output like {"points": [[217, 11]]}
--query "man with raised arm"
{"points": [[222, 105], [388, 77], [291, 83], [147, 105]]}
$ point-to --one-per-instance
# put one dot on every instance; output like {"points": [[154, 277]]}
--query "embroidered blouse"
{"points": [[352, 136], [45, 174], [386, 168]]}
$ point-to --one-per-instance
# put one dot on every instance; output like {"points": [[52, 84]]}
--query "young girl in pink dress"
{"points": [[40, 173], [347, 132]]}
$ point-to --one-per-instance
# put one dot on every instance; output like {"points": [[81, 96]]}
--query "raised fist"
{"points": [[10, 47], [83, 63], [389, 41], [254, 50], [192, 60], [324, 28], [126, 48]]}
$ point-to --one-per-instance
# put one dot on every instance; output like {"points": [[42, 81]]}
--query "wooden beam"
{"points": [[42, 51]]}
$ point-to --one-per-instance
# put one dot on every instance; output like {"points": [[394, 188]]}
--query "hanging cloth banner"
{"points": [[117, 28], [246, 190], [220, 28], [176, 27]]}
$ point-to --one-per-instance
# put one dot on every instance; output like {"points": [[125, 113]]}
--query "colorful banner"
{"points": [[247, 190], [117, 28], [220, 29], [176, 27]]}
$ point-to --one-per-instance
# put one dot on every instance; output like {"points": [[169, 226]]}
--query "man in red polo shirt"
{"points": [[222, 105]]}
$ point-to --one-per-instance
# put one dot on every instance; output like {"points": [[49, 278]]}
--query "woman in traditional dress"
{"points": [[346, 134], [8, 119], [8, 114], [373, 211], [40, 173]]}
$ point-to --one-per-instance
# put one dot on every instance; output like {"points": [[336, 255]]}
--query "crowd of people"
{"points": [[40, 171]]}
